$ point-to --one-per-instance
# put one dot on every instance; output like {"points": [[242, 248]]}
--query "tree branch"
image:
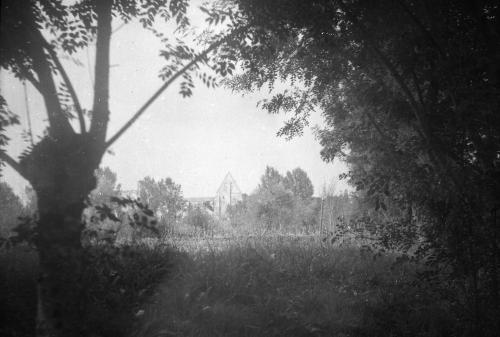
{"points": [[27, 75], [382, 134], [392, 70], [198, 58], [68, 83], [437, 155], [417, 87], [100, 110], [59, 124], [420, 25], [12, 163]]}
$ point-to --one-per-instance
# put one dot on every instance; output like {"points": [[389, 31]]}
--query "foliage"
{"points": [[126, 221], [295, 286], [164, 197], [7, 118], [344, 207], [199, 218], [279, 203], [119, 273], [100, 198], [411, 106], [274, 202], [106, 186], [118, 281], [11, 208], [299, 183]]}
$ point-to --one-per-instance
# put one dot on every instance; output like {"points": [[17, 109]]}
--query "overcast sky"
{"points": [[195, 141]]}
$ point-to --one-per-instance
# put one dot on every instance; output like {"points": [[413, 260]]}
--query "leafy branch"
{"points": [[200, 57], [14, 164], [67, 83]]}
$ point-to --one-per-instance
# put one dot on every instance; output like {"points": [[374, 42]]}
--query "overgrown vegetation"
{"points": [[302, 286], [409, 91], [411, 106], [117, 281], [11, 208], [217, 280]]}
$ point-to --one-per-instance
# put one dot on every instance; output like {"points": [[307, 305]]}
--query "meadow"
{"points": [[261, 285], [280, 285]]}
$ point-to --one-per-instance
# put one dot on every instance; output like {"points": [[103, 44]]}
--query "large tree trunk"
{"points": [[61, 302], [62, 175]]}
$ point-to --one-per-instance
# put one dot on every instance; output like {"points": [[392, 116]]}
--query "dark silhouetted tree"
{"points": [[61, 166], [410, 95]]}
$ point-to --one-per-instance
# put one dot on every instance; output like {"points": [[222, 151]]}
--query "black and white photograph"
{"points": [[250, 168]]}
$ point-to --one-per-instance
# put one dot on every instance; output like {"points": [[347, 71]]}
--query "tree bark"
{"points": [[62, 174], [61, 263]]}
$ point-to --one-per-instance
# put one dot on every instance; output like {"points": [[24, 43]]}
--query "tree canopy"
{"points": [[299, 183], [409, 91], [164, 197], [395, 97], [410, 106], [279, 202]]}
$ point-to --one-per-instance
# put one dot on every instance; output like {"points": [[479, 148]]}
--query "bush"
{"points": [[117, 281], [200, 219]]}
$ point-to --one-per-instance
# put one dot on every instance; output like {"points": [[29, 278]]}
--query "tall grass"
{"points": [[242, 285], [299, 286]]}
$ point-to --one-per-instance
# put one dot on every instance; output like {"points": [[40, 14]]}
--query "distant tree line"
{"points": [[280, 202], [285, 203], [163, 197]]}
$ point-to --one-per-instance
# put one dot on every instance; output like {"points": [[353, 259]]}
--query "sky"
{"points": [[195, 140]]}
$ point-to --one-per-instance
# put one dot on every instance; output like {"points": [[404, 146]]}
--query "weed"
{"points": [[289, 286]]}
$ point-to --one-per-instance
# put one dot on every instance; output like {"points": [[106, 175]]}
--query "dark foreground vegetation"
{"points": [[285, 286], [277, 285], [269, 268], [117, 281]]}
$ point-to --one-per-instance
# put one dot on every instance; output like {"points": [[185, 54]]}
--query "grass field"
{"points": [[271, 285], [291, 286]]}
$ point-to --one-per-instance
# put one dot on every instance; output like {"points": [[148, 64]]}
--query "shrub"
{"points": [[200, 219], [118, 281]]}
